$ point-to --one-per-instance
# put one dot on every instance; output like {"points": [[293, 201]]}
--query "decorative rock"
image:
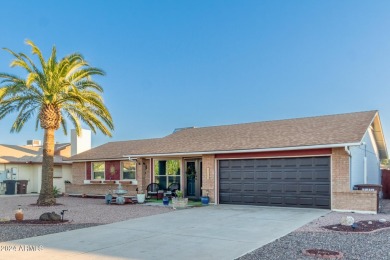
{"points": [[369, 222], [382, 220], [6, 219], [50, 217], [347, 221]]}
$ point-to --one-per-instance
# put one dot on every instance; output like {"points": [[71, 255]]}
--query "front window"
{"points": [[166, 172], [98, 170], [128, 170]]}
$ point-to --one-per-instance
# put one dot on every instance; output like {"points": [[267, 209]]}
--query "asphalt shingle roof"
{"points": [[299, 132], [27, 154]]}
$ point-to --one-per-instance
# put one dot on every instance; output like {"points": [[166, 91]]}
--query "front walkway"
{"points": [[213, 232]]}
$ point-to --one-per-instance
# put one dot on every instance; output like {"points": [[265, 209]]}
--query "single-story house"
{"points": [[24, 162], [305, 162]]}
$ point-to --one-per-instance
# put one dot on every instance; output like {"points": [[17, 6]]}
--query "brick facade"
{"points": [[98, 189], [208, 176], [78, 172], [143, 174], [343, 199], [82, 170]]}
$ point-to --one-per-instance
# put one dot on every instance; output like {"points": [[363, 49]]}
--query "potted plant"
{"points": [[108, 197], [140, 196], [205, 199], [179, 202], [19, 214]]}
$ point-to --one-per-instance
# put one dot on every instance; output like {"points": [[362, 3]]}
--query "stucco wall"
{"points": [[357, 162]]}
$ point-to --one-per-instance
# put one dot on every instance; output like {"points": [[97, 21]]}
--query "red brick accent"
{"points": [[115, 175], [309, 152], [88, 169]]}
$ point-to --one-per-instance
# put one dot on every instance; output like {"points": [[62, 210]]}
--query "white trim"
{"points": [[245, 150], [181, 175], [276, 157], [93, 173], [121, 171], [244, 158], [355, 211], [216, 182], [373, 142], [331, 181], [85, 174], [124, 158]]}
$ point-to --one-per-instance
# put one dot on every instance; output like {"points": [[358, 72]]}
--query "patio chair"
{"points": [[171, 192], [152, 190]]}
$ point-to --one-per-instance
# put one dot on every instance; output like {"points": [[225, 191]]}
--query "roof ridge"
{"points": [[123, 141], [278, 120]]}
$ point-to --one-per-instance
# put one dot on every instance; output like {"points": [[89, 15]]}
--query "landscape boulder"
{"points": [[50, 217], [347, 221]]}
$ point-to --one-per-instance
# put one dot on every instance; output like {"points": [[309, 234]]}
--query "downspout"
{"points": [[365, 162], [350, 165]]}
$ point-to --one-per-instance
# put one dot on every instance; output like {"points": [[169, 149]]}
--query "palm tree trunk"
{"points": [[46, 196]]}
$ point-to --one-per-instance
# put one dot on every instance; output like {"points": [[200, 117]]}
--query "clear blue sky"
{"points": [[173, 64]]}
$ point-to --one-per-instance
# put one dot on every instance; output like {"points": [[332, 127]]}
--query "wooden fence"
{"points": [[386, 184]]}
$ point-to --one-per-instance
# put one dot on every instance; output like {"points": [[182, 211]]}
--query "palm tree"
{"points": [[50, 93]]}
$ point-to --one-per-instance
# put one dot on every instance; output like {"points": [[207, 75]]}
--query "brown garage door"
{"points": [[284, 182]]}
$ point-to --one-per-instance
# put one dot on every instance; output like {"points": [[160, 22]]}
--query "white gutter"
{"points": [[246, 150], [99, 159]]}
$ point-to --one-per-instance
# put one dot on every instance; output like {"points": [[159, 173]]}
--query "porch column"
{"points": [[143, 174], [208, 176]]}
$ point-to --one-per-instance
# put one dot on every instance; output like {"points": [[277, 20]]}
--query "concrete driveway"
{"points": [[214, 232]]}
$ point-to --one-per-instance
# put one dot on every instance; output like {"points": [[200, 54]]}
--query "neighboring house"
{"points": [[306, 162], [25, 163]]}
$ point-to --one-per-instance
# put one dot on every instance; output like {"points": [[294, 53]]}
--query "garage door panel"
{"points": [[291, 188], [322, 174], [261, 175], [235, 175], [306, 188], [224, 164], [235, 187], [276, 187], [276, 200], [249, 176], [276, 175], [291, 201], [305, 175], [306, 201], [262, 187], [291, 175], [299, 182], [305, 162], [323, 189], [248, 164], [321, 161], [249, 199], [276, 163], [249, 187]]}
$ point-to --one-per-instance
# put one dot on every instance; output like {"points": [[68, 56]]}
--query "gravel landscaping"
{"points": [[373, 245], [82, 213]]}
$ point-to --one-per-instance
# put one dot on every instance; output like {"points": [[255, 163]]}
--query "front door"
{"points": [[193, 172]]}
